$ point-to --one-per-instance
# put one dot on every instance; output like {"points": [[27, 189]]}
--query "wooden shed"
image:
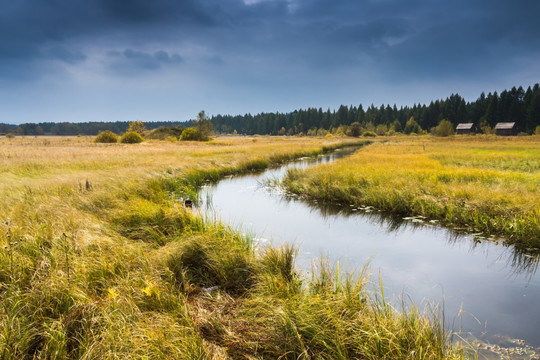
{"points": [[465, 128], [506, 129]]}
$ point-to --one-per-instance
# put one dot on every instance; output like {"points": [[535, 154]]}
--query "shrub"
{"points": [[192, 134], [165, 133], [131, 137], [381, 130], [106, 137], [368, 134], [355, 129], [445, 128], [537, 130], [11, 136]]}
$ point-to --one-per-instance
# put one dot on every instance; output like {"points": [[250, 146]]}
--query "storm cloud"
{"points": [[259, 55]]}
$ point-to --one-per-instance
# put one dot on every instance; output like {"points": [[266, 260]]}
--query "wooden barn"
{"points": [[465, 128], [506, 129]]}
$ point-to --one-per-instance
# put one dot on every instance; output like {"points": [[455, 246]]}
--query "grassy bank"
{"points": [[482, 184], [99, 261]]}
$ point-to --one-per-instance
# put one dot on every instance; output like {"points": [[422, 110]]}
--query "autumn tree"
{"points": [[411, 126], [445, 128], [137, 126], [203, 124]]}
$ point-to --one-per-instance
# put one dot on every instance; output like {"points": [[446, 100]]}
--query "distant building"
{"points": [[506, 129], [465, 128]]}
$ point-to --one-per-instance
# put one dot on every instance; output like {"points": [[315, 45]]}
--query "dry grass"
{"points": [[486, 184], [120, 270]]}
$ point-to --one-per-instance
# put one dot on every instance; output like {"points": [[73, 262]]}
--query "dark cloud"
{"points": [[395, 40], [130, 61], [65, 55], [478, 40]]}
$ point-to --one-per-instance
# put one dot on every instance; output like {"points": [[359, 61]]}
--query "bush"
{"points": [[131, 137], [368, 134], [355, 129], [11, 136], [381, 130], [106, 137], [537, 130], [165, 132], [192, 134], [445, 128]]}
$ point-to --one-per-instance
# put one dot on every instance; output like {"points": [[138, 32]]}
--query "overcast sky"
{"points": [[161, 60]]}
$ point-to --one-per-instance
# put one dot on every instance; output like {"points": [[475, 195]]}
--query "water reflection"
{"points": [[523, 262], [518, 261]]}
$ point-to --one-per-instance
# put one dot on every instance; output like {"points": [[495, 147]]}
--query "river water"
{"points": [[490, 292]]}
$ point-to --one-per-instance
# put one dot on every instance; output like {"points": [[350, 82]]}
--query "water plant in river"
{"points": [[487, 185]]}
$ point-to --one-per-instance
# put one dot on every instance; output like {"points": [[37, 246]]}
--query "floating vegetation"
{"points": [[506, 348]]}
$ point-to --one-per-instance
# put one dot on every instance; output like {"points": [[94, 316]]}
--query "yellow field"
{"points": [[119, 269], [487, 184], [52, 160]]}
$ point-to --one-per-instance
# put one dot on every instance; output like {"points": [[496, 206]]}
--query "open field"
{"points": [[483, 184], [99, 260]]}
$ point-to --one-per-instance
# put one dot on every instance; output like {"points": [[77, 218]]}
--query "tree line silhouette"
{"points": [[515, 105]]}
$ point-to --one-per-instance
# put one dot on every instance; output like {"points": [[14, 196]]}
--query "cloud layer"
{"points": [[236, 55]]}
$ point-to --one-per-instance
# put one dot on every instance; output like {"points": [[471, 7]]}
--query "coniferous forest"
{"points": [[516, 105]]}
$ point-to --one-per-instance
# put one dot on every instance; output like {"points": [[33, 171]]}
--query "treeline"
{"points": [[516, 105], [86, 128]]}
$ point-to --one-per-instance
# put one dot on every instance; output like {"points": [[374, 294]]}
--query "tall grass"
{"points": [[122, 270], [483, 186]]}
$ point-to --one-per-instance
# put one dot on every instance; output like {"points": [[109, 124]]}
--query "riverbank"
{"points": [[484, 185], [100, 260]]}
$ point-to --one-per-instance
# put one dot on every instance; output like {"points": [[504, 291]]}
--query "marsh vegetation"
{"points": [[484, 184], [100, 260]]}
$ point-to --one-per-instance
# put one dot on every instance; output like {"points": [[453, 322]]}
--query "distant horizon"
{"points": [[281, 112]]}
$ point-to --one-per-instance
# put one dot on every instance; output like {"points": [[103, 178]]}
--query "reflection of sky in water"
{"points": [[497, 288]]}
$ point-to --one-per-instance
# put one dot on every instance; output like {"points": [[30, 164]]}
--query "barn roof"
{"points": [[464, 126], [505, 125]]}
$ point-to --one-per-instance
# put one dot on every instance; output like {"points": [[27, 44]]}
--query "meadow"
{"points": [[486, 185], [100, 260]]}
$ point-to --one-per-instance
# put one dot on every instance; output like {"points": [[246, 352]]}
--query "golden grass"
{"points": [[52, 161], [117, 270], [487, 184]]}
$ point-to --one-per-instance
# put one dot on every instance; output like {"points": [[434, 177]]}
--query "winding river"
{"points": [[490, 292]]}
